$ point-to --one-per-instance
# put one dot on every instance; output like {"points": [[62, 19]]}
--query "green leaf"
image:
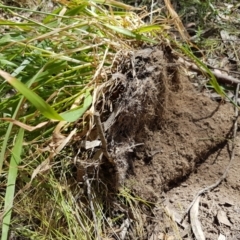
{"points": [[56, 67], [51, 17], [121, 30], [8, 134], [129, 33], [74, 114], [78, 9], [113, 3], [148, 29], [7, 38], [36, 100], [5, 62], [213, 80], [12, 175]]}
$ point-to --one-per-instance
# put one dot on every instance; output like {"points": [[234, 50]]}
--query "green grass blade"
{"points": [[7, 135], [113, 3], [148, 29], [6, 62], [213, 80], [16, 111], [36, 100], [74, 114], [12, 175], [129, 33]]}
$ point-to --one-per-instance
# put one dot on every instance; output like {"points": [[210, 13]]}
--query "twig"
{"points": [[102, 138], [85, 177], [224, 78], [209, 188], [151, 11]]}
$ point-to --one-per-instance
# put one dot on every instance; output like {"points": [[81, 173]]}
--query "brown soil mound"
{"points": [[166, 138]]}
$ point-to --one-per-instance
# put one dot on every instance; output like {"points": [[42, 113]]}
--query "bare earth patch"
{"points": [[170, 141]]}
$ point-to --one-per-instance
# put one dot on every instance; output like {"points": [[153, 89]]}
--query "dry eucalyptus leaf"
{"points": [[222, 218], [90, 144], [195, 223], [221, 237]]}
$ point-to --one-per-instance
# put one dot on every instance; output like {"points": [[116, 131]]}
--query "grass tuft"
{"points": [[50, 64]]}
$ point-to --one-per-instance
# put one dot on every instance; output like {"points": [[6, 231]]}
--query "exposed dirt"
{"points": [[183, 139]]}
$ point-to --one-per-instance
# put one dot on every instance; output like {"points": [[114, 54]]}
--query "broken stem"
{"points": [[102, 138], [223, 78]]}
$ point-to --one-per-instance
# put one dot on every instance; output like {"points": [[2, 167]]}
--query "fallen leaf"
{"points": [[90, 144], [221, 237], [222, 218], [195, 223]]}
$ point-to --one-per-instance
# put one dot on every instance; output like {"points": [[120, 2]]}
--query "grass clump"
{"points": [[55, 61]]}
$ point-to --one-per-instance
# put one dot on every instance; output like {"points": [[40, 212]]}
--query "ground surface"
{"points": [[184, 140], [185, 137]]}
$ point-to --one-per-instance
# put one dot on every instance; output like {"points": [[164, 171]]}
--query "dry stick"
{"points": [[209, 188], [151, 11], [224, 78], [102, 138], [104, 146]]}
